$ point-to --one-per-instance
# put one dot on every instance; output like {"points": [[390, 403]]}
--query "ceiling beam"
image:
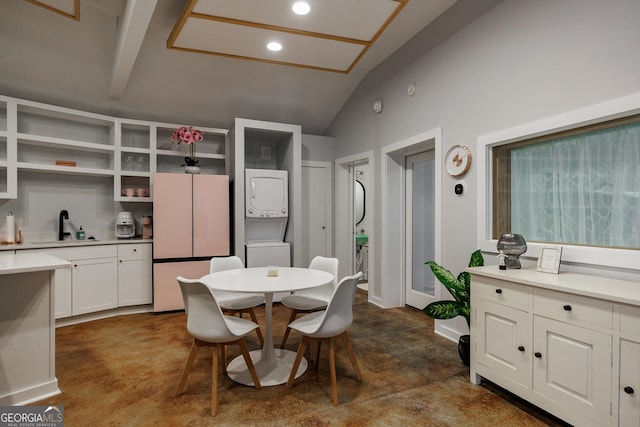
{"points": [[134, 24]]}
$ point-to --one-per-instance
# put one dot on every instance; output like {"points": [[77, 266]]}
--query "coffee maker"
{"points": [[125, 225]]}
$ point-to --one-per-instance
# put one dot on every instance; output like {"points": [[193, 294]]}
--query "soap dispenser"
{"points": [[80, 234]]}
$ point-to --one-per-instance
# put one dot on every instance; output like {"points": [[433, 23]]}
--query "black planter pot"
{"points": [[464, 349]]}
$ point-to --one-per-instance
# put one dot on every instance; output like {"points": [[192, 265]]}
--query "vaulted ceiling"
{"points": [[202, 61]]}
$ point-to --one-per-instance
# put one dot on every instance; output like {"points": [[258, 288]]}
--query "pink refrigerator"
{"points": [[190, 226]]}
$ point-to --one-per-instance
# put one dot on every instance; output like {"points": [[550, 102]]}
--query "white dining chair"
{"points": [[313, 299], [236, 302], [211, 328], [329, 325]]}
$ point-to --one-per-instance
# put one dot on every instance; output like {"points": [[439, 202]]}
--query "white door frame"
{"points": [[343, 221], [392, 239], [329, 209]]}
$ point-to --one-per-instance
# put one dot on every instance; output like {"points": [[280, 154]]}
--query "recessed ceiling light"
{"points": [[301, 8], [274, 46]]}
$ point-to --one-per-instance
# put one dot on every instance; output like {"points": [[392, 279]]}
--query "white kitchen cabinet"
{"points": [[554, 340], [572, 368], [62, 296], [134, 274], [94, 284], [505, 343], [629, 390]]}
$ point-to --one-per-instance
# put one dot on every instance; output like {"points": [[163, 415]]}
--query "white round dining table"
{"points": [[272, 365]]}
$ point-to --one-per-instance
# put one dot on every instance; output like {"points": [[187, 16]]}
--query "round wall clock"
{"points": [[458, 160]]}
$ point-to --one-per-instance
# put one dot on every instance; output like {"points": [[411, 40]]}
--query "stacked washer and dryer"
{"points": [[266, 216]]}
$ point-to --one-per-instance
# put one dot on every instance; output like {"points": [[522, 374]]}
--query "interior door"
{"points": [[420, 228], [316, 208]]}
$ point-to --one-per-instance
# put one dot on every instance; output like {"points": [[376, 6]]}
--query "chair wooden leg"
{"points": [[214, 380], [254, 318], [317, 361], [187, 367], [352, 354], [292, 317], [223, 357], [332, 369], [249, 362], [296, 362]]}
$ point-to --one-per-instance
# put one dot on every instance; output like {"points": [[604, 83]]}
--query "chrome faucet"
{"points": [[61, 233]]}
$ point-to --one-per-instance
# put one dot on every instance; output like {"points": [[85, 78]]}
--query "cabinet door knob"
{"points": [[135, 250], [628, 390], [498, 291], [567, 307], [537, 354], [520, 348]]}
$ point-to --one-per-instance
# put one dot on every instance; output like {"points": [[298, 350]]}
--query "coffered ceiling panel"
{"points": [[333, 36], [250, 43], [68, 8], [114, 58]]}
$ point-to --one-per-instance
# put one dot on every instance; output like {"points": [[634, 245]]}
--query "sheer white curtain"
{"points": [[582, 189]]}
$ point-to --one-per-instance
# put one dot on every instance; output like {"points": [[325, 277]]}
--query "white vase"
{"points": [[192, 169]]}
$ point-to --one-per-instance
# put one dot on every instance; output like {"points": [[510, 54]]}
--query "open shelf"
{"points": [[35, 136]]}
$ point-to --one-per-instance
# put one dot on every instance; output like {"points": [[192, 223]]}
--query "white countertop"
{"points": [[621, 291], [27, 263], [71, 243]]}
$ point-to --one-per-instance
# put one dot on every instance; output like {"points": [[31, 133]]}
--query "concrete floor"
{"points": [[123, 371]]}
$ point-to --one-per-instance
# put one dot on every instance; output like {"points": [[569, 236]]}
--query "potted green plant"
{"points": [[460, 289]]}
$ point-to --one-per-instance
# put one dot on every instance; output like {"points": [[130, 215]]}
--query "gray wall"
{"points": [[318, 148], [519, 62]]}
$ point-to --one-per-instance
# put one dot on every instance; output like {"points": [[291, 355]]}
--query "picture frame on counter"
{"points": [[549, 259]]}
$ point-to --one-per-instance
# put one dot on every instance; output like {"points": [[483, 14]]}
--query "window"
{"points": [[579, 187], [571, 179]]}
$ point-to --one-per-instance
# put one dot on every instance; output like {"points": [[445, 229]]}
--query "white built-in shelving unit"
{"points": [[47, 138], [256, 144]]}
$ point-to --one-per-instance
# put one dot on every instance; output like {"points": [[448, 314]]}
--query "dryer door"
{"points": [[266, 197]]}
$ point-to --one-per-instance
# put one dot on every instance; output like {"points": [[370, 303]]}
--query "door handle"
{"points": [[628, 390], [537, 354], [520, 348], [253, 190]]}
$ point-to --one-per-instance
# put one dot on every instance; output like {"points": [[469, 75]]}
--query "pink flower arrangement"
{"points": [[188, 136]]}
